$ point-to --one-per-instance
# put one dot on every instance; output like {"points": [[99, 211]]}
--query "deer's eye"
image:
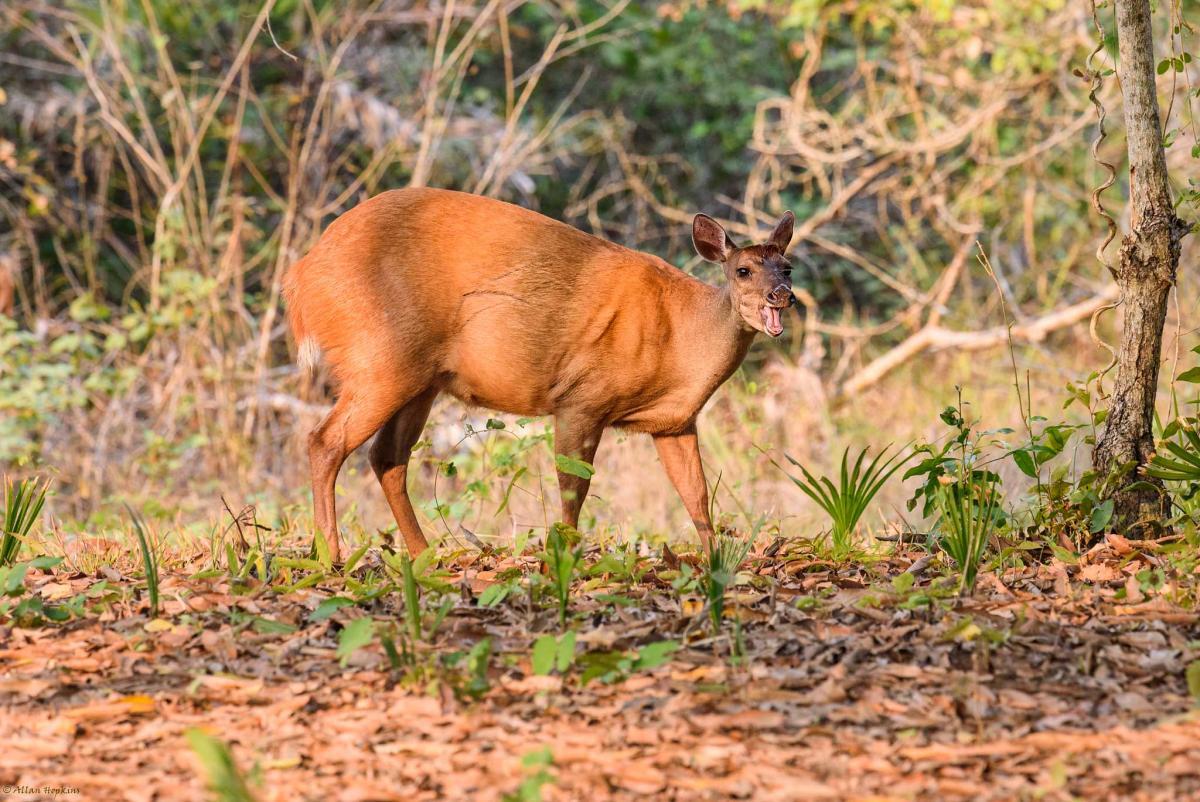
{"points": [[787, 272], [743, 272]]}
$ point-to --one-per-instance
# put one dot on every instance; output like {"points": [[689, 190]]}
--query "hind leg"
{"points": [[389, 459], [352, 420], [576, 436]]}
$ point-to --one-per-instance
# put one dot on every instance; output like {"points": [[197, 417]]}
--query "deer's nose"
{"points": [[780, 296]]}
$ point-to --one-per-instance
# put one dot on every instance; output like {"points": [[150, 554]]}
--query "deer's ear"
{"points": [[781, 237], [711, 241]]}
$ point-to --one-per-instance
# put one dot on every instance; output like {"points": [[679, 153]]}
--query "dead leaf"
{"points": [[639, 778], [136, 705], [25, 687], [1133, 590]]}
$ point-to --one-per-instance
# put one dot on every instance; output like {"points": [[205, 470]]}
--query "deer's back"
{"points": [[499, 305]]}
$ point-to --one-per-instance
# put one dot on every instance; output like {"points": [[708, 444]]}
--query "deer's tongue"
{"points": [[772, 320]]}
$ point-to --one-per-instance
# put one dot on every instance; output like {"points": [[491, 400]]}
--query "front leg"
{"points": [[576, 436], [680, 455]]}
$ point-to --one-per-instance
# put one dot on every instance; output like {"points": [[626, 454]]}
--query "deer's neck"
{"points": [[720, 338]]}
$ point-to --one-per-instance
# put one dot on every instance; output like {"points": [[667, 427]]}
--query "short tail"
{"points": [[308, 351], [308, 356]]}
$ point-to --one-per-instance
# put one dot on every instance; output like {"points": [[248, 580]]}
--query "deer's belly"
{"points": [[497, 389]]}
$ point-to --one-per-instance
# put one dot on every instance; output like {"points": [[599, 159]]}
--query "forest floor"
{"points": [[1054, 680]]}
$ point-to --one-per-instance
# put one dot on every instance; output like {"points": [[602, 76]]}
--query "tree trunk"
{"points": [[1149, 257]]}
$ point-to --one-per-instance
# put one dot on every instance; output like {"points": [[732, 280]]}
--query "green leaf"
{"points": [[1025, 462], [601, 665], [1163, 66], [1101, 515], [1193, 679], [494, 594], [328, 607], [545, 650], [424, 562], [495, 423], [56, 613], [225, 781], [348, 568], [296, 562], [566, 652], [1190, 375], [357, 634], [14, 583], [538, 757], [269, 626], [322, 550], [574, 467], [655, 654]]}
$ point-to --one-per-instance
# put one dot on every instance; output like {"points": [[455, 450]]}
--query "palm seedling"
{"points": [[846, 501], [725, 557], [149, 560], [23, 501], [1181, 462], [968, 518]]}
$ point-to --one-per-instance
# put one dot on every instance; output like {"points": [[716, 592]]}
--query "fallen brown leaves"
{"points": [[1050, 683]]}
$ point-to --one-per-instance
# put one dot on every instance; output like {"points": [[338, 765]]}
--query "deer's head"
{"points": [[759, 276]]}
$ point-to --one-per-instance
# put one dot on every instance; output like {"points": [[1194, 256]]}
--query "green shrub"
{"points": [[846, 501]]}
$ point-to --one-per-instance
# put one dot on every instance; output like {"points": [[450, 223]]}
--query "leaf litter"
{"points": [[850, 682]]}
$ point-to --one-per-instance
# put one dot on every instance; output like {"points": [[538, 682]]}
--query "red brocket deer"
{"points": [[418, 292]]}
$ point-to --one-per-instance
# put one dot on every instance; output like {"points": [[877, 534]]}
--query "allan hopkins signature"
{"points": [[34, 790]]}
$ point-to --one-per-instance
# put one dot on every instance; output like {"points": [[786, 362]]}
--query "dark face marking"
{"points": [[760, 280]]}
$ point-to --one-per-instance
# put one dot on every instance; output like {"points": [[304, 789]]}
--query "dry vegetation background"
{"points": [[163, 161]]}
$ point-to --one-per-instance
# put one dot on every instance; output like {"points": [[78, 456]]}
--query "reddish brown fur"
{"points": [[421, 291], [8, 288]]}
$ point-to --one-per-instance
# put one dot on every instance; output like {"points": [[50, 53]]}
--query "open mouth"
{"points": [[772, 317]]}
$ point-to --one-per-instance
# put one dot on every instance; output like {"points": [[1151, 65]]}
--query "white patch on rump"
{"points": [[308, 355]]}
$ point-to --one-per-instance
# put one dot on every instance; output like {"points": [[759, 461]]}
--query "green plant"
{"points": [[405, 656], [508, 584], [536, 766], [1181, 463], [962, 452], [561, 560], [471, 680], [225, 780], [412, 599], [149, 561], [737, 644], [23, 501], [29, 611], [961, 491], [1180, 440], [1192, 675], [355, 635], [618, 666], [551, 653], [725, 556], [968, 519], [846, 501], [419, 583], [1065, 504]]}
